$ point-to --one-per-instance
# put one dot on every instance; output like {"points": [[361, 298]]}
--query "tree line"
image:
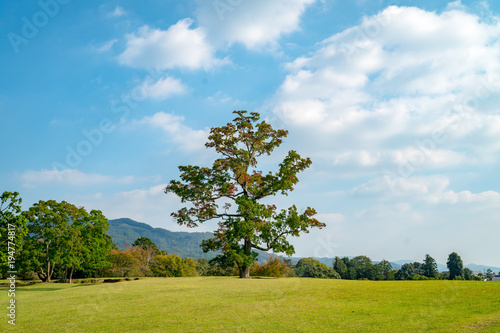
{"points": [[57, 240]]}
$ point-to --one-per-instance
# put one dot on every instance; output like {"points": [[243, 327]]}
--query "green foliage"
{"points": [[383, 271], [468, 274], [455, 265], [363, 266], [430, 267], [146, 244], [340, 267], [234, 180], [273, 268], [310, 267], [12, 229], [202, 266], [406, 272], [65, 237]]}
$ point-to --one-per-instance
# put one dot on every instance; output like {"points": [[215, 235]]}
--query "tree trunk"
{"points": [[244, 272], [48, 272], [42, 276], [244, 269], [71, 275]]}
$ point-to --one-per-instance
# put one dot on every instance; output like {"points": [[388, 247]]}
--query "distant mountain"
{"points": [[482, 268], [125, 231]]}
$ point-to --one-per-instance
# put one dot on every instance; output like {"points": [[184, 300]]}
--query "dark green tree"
{"points": [[468, 274], [455, 265], [383, 271], [363, 266], [231, 189], [351, 273], [489, 274], [406, 272], [418, 268], [430, 267], [340, 267]]}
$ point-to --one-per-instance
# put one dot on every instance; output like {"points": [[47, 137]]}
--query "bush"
{"points": [[310, 267], [273, 268]]}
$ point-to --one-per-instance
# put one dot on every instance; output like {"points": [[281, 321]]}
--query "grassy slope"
{"points": [[258, 305]]}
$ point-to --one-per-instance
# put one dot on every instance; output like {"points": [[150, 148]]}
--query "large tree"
{"points": [[60, 235], [231, 189], [455, 265]]}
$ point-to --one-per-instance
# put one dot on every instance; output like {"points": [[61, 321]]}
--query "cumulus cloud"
{"points": [[372, 93], [172, 125], [254, 24], [164, 88], [179, 46]]}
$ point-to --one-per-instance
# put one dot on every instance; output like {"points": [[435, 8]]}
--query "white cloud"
{"points": [[178, 47], [187, 138], [117, 12], [164, 88], [106, 46], [255, 24], [425, 189], [33, 178], [371, 93]]}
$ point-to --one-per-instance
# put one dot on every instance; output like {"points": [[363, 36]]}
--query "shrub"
{"points": [[273, 268]]}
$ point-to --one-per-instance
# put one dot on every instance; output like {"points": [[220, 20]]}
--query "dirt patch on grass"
{"points": [[486, 324]]}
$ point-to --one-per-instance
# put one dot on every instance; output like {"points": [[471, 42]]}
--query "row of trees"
{"points": [[58, 240], [361, 267]]}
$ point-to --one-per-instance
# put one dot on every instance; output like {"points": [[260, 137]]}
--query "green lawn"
{"points": [[221, 304]]}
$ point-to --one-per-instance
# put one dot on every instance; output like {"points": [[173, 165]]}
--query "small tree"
{"points": [[468, 275], [406, 272], [234, 180], [363, 266], [340, 267], [455, 265], [147, 245], [430, 267], [383, 270]]}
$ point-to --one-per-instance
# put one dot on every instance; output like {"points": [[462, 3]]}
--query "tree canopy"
{"points": [[231, 188], [455, 265], [64, 236]]}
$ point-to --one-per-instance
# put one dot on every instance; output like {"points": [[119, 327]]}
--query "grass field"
{"points": [[222, 304]]}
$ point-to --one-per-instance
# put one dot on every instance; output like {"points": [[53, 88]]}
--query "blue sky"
{"points": [[394, 101]]}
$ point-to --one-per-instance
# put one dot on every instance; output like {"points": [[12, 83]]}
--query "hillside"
{"points": [[125, 231]]}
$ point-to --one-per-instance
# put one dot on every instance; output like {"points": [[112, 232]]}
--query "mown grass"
{"points": [[222, 304]]}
